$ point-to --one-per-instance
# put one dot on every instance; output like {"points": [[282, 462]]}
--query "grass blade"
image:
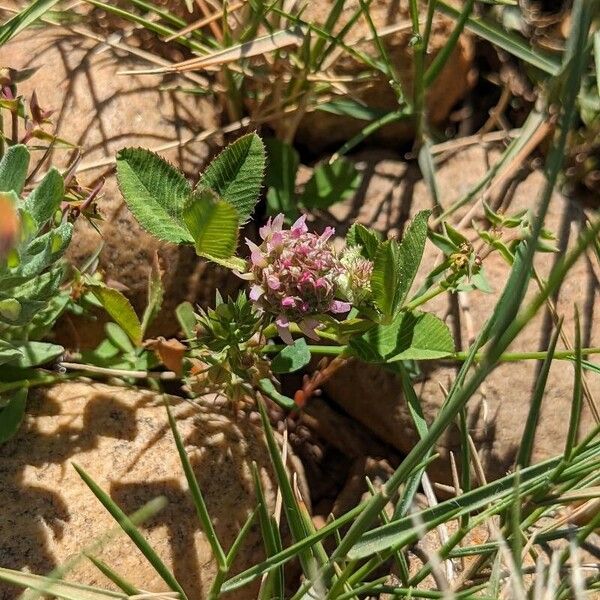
{"points": [[577, 394], [511, 42], [526, 446], [132, 531], [109, 573], [196, 494], [24, 18]]}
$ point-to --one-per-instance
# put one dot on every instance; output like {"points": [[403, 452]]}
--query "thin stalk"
{"points": [[458, 356], [440, 60], [418, 72]]}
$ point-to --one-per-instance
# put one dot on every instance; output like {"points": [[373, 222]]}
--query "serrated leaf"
{"points": [[411, 336], [11, 416], [369, 240], [119, 308], [13, 169], [412, 247], [282, 166], [154, 192], [45, 199], [331, 183], [236, 174], [213, 224], [385, 280], [291, 358]]}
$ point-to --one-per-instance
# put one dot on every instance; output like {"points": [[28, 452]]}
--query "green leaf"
{"points": [[331, 183], [119, 308], [10, 309], [412, 247], [8, 352], [119, 338], [212, 223], [154, 192], [45, 199], [11, 416], [291, 358], [36, 353], [266, 386], [187, 319], [282, 166], [236, 174], [13, 169], [24, 18], [45, 250], [385, 280], [411, 336], [369, 240], [155, 294]]}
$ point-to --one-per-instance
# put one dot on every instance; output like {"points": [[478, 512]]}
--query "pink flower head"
{"points": [[295, 274]]}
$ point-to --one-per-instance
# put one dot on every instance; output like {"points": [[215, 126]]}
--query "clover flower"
{"points": [[354, 282], [295, 274]]}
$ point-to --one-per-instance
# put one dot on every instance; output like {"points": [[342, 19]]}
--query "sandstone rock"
{"points": [[102, 112], [391, 193], [121, 437], [320, 129]]}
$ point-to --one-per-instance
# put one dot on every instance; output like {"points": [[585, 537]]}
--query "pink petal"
{"points": [[278, 222], [276, 240], [283, 328], [266, 230], [327, 233], [288, 302], [307, 327], [337, 306], [256, 255], [299, 227], [256, 291], [273, 282]]}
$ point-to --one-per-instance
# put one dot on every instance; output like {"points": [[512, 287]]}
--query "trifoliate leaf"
{"points": [[236, 174], [154, 192], [212, 223], [411, 336]]}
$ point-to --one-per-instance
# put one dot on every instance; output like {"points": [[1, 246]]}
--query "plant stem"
{"points": [[459, 356]]}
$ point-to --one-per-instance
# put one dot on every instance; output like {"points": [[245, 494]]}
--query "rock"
{"points": [[319, 129], [121, 437], [391, 193], [102, 111]]}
